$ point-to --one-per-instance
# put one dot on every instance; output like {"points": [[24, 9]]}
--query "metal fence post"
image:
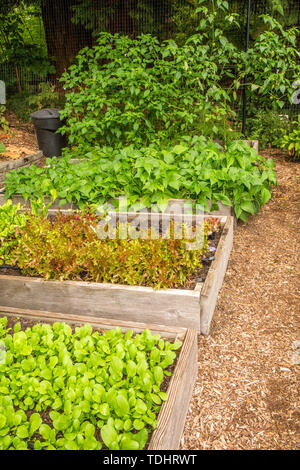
{"points": [[244, 87]]}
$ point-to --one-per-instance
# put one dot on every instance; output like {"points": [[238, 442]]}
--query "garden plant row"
{"points": [[173, 277], [192, 169], [74, 383]]}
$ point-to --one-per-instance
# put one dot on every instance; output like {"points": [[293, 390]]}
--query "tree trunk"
{"points": [[18, 79], [64, 39]]}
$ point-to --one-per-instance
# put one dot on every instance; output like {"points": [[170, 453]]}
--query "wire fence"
{"points": [[61, 28]]}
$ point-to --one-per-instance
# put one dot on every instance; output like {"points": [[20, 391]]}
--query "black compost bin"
{"points": [[46, 122]]}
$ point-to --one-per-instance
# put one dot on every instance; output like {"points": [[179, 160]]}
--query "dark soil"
{"points": [[10, 270], [207, 259]]}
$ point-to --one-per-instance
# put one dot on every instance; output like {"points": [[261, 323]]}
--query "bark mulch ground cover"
{"points": [[246, 394], [20, 141]]}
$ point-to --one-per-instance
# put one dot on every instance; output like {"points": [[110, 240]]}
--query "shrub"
{"points": [[268, 127], [47, 97], [291, 141], [270, 66], [25, 103], [125, 91]]}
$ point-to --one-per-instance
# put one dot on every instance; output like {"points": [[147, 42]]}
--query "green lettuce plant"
{"points": [[80, 389]]}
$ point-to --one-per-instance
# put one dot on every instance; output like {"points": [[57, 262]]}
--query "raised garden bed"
{"points": [[171, 418], [26, 161], [192, 308]]}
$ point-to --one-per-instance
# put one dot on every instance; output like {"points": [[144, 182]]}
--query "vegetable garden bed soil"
{"points": [[20, 140], [207, 260]]}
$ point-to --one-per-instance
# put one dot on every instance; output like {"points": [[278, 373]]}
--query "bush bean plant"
{"points": [[80, 389], [193, 169]]}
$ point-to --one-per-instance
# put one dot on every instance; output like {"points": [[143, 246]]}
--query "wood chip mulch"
{"points": [[246, 395], [19, 141]]}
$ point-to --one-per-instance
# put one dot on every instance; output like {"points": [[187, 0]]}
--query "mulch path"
{"points": [[246, 394], [20, 140]]}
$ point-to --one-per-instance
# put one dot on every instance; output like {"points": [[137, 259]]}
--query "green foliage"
{"points": [[19, 104], [18, 45], [192, 169], [47, 97], [136, 91], [291, 141], [268, 127], [4, 125], [69, 248], [25, 103], [11, 219], [38, 206], [134, 17], [82, 382], [270, 66], [186, 20]]}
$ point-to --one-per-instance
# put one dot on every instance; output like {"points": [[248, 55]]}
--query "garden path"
{"points": [[246, 395]]}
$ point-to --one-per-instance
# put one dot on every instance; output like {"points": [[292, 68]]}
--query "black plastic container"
{"points": [[46, 122]]}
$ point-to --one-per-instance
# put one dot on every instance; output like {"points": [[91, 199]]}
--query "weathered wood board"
{"points": [[17, 199], [172, 307], [215, 277], [111, 301], [171, 419]]}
